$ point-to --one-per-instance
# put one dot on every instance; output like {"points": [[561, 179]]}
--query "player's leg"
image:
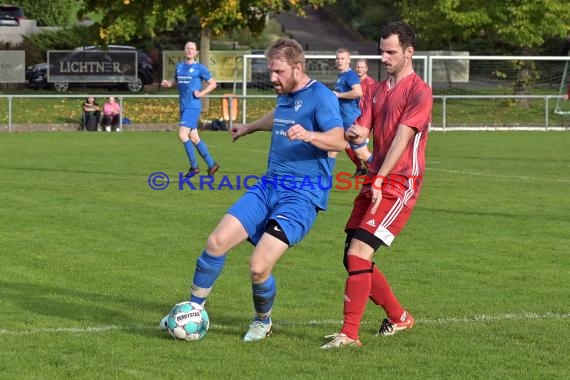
{"points": [[381, 293], [190, 117], [380, 229], [366, 232], [267, 252], [288, 223], [358, 163], [228, 233], [203, 150], [184, 136]]}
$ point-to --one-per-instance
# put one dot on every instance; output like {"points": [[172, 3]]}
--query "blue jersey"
{"points": [[189, 77], [349, 109], [306, 168]]}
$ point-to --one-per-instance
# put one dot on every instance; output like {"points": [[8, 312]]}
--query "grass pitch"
{"points": [[92, 258]]}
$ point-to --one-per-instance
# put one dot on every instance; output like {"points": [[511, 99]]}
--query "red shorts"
{"points": [[389, 219]]}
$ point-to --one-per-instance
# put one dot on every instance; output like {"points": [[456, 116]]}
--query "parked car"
{"points": [[10, 15], [36, 75]]}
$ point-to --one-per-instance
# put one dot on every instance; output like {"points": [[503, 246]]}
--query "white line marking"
{"points": [[330, 322], [519, 177]]}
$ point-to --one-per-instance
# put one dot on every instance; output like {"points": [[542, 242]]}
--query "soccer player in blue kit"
{"points": [[305, 126], [349, 91], [188, 77]]}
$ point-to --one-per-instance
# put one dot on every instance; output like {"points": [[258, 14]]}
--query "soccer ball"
{"points": [[188, 321]]}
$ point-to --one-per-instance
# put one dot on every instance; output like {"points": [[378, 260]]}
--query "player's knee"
{"points": [[183, 137], [216, 244], [258, 271]]}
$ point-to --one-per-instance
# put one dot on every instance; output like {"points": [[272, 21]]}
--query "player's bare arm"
{"points": [[331, 141], [212, 84], [399, 144], [168, 83], [264, 123], [356, 92]]}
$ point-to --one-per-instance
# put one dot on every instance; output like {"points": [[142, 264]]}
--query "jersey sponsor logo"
{"points": [[298, 104], [371, 223]]}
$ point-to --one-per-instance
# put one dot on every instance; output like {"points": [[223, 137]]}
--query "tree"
{"points": [[136, 19], [516, 26], [512, 26], [50, 12]]}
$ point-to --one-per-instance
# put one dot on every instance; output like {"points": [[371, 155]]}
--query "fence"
{"points": [[470, 93]]}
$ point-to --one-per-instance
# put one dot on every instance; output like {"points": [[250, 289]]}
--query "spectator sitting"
{"points": [[91, 114], [111, 115]]}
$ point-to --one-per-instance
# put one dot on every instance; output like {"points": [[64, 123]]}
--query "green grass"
{"points": [[92, 258]]}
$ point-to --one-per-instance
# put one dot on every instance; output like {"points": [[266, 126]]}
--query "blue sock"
{"points": [[263, 297], [203, 150], [189, 147], [208, 268]]}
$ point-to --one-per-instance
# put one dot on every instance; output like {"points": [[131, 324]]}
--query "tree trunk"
{"points": [[523, 85], [525, 79], [205, 36]]}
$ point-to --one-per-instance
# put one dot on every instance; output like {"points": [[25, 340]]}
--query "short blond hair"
{"points": [[288, 50]]}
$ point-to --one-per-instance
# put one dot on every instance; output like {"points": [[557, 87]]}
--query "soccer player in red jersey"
{"points": [[398, 110], [361, 69], [366, 81]]}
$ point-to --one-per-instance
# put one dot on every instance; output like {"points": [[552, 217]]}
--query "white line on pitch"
{"points": [[331, 322], [479, 174]]}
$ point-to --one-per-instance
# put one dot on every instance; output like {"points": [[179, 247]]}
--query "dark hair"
{"points": [[288, 50], [406, 35]]}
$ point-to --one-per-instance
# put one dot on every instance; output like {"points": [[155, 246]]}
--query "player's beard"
{"points": [[394, 69], [286, 87]]}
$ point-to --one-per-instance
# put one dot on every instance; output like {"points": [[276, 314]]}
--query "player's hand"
{"points": [[297, 132], [165, 83], [197, 94], [356, 134], [376, 190], [238, 130]]}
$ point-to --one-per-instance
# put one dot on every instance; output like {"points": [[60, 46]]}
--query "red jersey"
{"points": [[366, 83], [409, 103]]}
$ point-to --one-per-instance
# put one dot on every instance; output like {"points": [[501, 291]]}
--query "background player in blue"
{"points": [[349, 91], [305, 125], [189, 76]]}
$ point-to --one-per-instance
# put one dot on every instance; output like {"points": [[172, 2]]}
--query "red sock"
{"points": [[356, 292], [381, 294], [350, 153]]}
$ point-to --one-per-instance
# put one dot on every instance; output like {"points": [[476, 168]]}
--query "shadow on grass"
{"points": [[84, 310]]}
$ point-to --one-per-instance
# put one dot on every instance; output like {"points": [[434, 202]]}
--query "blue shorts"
{"points": [[294, 213], [189, 117]]}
